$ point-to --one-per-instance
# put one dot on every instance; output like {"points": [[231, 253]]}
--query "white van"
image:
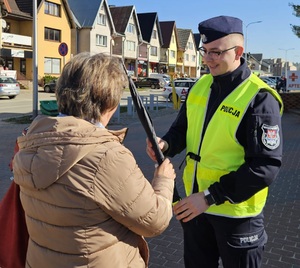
{"points": [[166, 77]]}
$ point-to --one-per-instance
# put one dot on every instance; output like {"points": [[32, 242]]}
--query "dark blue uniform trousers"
{"points": [[239, 242]]}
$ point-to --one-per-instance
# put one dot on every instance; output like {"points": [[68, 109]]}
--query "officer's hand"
{"points": [[190, 207], [163, 145]]}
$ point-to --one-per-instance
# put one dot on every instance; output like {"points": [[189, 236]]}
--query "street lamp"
{"points": [[259, 21], [286, 50]]}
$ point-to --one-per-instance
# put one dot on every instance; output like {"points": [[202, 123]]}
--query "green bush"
{"points": [[49, 78]]}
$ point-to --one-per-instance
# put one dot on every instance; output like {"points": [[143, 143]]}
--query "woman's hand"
{"points": [[166, 169]]}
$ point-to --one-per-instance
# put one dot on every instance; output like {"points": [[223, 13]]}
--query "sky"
{"points": [[273, 36]]}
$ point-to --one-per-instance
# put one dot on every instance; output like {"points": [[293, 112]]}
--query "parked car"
{"points": [[271, 82], [9, 87], [275, 77], [50, 86], [181, 86], [150, 82], [165, 77]]}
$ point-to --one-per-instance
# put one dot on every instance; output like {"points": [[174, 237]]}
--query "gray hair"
{"points": [[90, 85]]}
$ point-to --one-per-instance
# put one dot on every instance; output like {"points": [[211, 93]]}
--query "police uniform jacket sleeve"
{"points": [[262, 164], [176, 135]]}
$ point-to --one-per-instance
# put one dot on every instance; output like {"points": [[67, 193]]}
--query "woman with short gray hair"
{"points": [[87, 203]]}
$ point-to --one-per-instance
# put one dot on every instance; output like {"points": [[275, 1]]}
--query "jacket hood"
{"points": [[53, 145]]}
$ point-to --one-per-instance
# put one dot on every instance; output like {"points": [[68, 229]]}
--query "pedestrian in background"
{"points": [[230, 126], [86, 202]]}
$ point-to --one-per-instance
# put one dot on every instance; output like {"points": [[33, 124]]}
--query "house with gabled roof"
{"points": [[151, 33], [128, 40], [256, 62], [95, 29], [186, 54], [168, 54], [53, 27]]}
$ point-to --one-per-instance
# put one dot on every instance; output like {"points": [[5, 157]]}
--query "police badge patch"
{"points": [[270, 136]]}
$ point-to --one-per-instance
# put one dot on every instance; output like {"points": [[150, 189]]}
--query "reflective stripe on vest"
{"points": [[220, 152]]}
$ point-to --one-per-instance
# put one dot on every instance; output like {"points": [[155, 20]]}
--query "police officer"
{"points": [[230, 126]]}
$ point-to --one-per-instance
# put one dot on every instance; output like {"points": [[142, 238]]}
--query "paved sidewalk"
{"points": [[282, 212]]}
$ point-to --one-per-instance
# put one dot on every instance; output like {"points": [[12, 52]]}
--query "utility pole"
{"points": [[259, 21], [34, 62]]}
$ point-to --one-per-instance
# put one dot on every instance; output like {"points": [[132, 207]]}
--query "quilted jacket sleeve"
{"points": [[123, 192]]}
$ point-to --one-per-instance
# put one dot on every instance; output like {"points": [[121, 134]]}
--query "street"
{"points": [[23, 103]]}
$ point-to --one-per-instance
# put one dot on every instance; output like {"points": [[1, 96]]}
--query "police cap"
{"points": [[218, 27]]}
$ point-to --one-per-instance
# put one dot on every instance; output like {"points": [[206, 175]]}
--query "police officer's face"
{"points": [[222, 55]]}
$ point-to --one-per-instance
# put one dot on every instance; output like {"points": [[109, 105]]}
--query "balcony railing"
{"points": [[16, 40]]}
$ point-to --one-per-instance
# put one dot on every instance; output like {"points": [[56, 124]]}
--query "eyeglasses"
{"points": [[213, 54]]}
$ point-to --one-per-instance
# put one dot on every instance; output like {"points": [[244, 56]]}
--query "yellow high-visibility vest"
{"points": [[220, 152]]}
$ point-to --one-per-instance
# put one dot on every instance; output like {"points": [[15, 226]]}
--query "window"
{"points": [[23, 66], [130, 45], [131, 28], [52, 9], [51, 66], [7, 28], [154, 34], [187, 57], [193, 58], [172, 52], [101, 40], [190, 45], [153, 51], [52, 34], [101, 19]]}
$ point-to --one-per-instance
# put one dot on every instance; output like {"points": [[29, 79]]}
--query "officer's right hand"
{"points": [[163, 145]]}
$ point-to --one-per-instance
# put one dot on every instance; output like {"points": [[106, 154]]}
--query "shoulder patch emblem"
{"points": [[270, 136]]}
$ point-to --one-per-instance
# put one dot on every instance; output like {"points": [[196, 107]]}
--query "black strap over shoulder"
{"points": [[192, 156]]}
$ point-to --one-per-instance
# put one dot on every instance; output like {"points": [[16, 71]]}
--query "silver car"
{"points": [[181, 86], [9, 87]]}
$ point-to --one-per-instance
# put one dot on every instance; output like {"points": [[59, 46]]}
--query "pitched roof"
{"points": [[197, 38], [167, 28], [23, 9], [147, 22], [257, 56], [20, 8], [183, 37], [85, 11], [121, 16]]}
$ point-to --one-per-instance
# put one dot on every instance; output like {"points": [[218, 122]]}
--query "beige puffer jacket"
{"points": [[86, 201]]}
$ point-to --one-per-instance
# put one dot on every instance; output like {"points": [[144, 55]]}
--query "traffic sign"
{"points": [[63, 49]]}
